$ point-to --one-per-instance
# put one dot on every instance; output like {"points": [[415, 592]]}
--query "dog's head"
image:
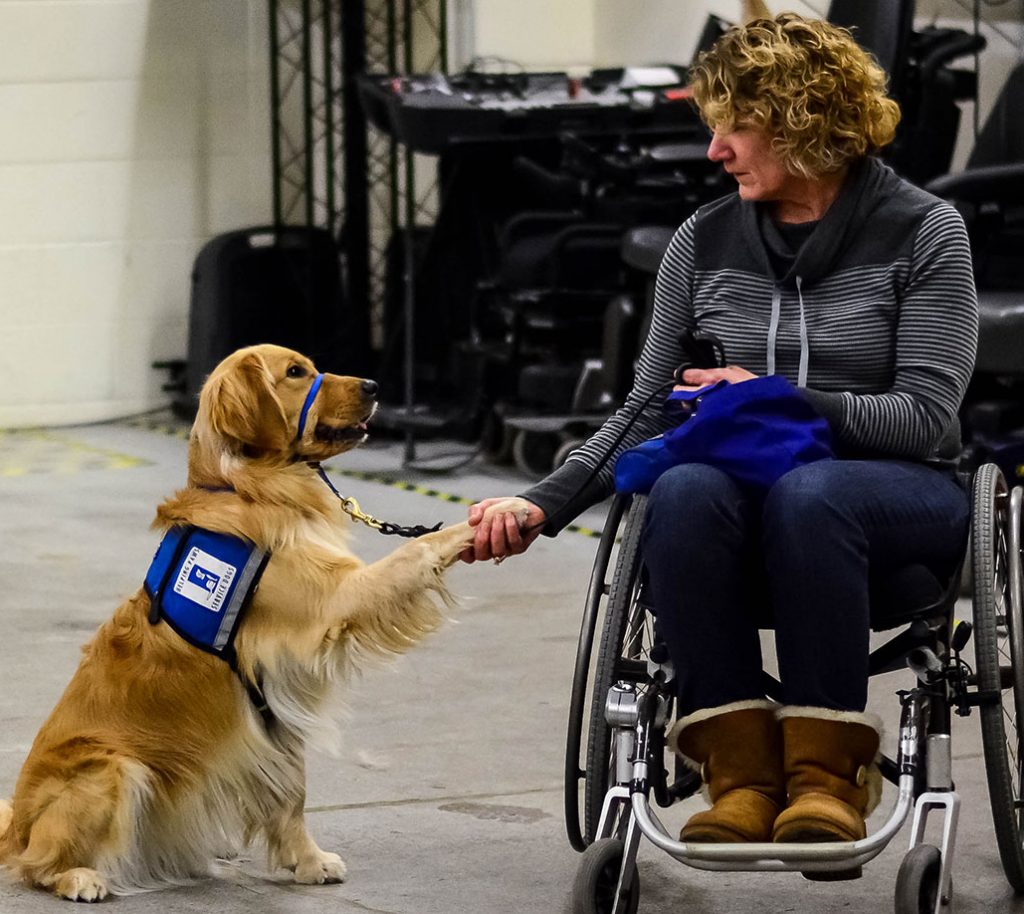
{"points": [[270, 401]]}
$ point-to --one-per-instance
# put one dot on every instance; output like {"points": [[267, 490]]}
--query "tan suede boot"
{"points": [[832, 783], [738, 750]]}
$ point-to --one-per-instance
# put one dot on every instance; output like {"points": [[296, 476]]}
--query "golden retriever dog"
{"points": [[159, 756]]}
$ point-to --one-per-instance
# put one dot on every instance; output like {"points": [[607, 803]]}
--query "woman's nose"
{"points": [[718, 149]]}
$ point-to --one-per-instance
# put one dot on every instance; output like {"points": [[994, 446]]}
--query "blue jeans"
{"points": [[720, 564]]}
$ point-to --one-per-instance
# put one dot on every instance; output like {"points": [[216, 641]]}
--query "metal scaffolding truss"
{"points": [[330, 169], [401, 37], [308, 122]]}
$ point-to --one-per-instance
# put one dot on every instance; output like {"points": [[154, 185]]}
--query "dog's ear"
{"points": [[241, 403]]}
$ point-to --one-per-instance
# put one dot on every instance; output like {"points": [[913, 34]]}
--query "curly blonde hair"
{"points": [[806, 83]]}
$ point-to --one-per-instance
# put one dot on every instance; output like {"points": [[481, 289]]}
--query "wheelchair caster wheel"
{"points": [[496, 439], [564, 449], [917, 884], [597, 879], [534, 452]]}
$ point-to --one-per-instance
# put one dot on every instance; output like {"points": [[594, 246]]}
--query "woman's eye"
{"points": [[296, 371]]}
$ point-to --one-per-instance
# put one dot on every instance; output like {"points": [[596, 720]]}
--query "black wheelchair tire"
{"points": [[997, 628], [593, 890], [597, 600], [617, 612], [534, 452], [917, 882]]}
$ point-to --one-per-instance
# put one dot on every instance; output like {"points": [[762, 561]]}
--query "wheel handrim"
{"points": [[997, 624]]}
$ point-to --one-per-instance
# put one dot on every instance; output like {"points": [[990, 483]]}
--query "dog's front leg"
{"points": [[290, 845], [389, 605]]}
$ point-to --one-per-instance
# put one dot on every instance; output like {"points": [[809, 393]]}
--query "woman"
{"points": [[828, 269]]}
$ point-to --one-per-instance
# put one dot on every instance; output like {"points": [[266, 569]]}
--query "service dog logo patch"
{"points": [[200, 583], [204, 579]]}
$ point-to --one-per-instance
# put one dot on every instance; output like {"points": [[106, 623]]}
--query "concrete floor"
{"points": [[447, 797]]}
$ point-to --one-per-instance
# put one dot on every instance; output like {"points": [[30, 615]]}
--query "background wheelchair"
{"points": [[624, 702]]}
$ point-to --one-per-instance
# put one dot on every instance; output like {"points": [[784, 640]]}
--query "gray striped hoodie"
{"points": [[876, 320]]}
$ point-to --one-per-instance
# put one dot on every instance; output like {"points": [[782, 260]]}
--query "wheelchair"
{"points": [[623, 698]]}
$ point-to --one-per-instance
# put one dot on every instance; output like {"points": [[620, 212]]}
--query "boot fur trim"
{"points": [[874, 781], [851, 717], [672, 740]]}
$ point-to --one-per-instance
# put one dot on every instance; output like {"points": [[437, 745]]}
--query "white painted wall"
{"points": [[538, 34], [130, 132]]}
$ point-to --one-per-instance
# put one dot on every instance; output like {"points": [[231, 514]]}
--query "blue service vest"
{"points": [[200, 584]]}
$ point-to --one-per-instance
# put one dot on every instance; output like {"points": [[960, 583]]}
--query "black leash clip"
{"points": [[701, 349]]}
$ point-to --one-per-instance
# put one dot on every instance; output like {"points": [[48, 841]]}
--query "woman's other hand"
{"points": [[504, 527], [696, 378]]}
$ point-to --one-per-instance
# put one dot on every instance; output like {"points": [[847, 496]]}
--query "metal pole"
{"points": [[442, 37], [356, 235], [275, 114], [410, 260], [307, 107], [330, 218]]}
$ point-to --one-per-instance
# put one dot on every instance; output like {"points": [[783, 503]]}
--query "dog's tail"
{"points": [[6, 815]]}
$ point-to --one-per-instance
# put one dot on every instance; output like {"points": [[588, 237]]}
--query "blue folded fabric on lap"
{"points": [[755, 431]]}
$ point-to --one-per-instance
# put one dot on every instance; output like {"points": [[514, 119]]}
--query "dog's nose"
{"points": [[368, 388]]}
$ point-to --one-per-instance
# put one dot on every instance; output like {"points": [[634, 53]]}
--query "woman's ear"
{"points": [[241, 403]]}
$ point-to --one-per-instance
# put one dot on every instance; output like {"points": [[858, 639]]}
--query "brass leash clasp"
{"points": [[351, 507]]}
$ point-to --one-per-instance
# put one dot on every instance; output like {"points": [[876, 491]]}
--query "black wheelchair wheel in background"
{"points": [[999, 657]]}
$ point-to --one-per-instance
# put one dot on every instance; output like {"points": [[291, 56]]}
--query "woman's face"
{"points": [[746, 153]]}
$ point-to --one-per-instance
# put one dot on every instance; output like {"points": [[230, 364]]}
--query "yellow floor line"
{"points": [[35, 450]]}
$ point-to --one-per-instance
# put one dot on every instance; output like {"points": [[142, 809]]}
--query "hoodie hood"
{"points": [[862, 192], [865, 188]]}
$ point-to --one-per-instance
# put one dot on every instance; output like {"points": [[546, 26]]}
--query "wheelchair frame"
{"points": [[630, 702]]}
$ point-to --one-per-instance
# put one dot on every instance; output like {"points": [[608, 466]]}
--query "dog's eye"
{"points": [[296, 371]]}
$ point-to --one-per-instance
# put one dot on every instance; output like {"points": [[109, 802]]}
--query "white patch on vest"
{"points": [[204, 579]]}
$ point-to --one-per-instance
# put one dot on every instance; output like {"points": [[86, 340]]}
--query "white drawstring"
{"points": [[805, 348], [773, 328], [773, 333]]}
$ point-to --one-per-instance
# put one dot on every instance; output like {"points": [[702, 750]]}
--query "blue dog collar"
{"points": [[314, 389]]}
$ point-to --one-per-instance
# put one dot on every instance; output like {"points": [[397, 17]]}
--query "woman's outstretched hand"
{"points": [[504, 527]]}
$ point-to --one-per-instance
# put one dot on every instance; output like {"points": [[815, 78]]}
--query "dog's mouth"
{"points": [[336, 433], [330, 433]]}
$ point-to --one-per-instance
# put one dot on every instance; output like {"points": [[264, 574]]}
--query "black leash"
{"points": [[701, 349], [351, 507]]}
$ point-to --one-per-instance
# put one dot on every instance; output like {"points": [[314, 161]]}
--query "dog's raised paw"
{"points": [[81, 884], [450, 541], [320, 868]]}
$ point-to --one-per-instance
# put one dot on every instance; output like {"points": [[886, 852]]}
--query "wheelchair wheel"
{"points": [[597, 878], [534, 452], [579, 699], [999, 656], [626, 639], [917, 883]]}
